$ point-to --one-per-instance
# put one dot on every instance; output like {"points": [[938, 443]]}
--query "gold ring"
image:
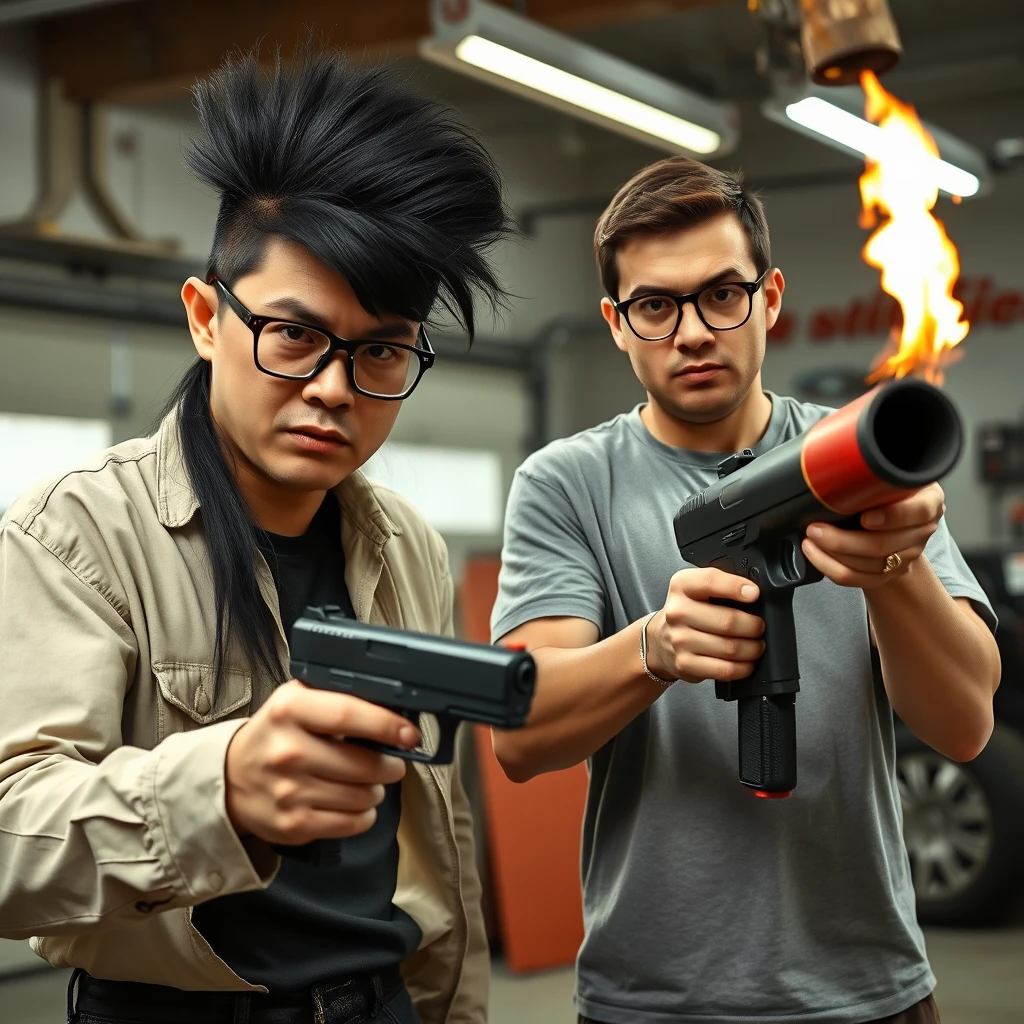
{"points": [[892, 561]]}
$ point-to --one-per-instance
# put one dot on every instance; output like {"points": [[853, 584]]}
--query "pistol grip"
{"points": [[767, 743]]}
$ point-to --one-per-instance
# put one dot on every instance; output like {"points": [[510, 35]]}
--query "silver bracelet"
{"points": [[643, 654]]}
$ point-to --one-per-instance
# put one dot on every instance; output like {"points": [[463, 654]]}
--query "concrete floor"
{"points": [[981, 981]]}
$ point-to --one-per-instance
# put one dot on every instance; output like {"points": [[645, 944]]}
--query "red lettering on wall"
{"points": [[895, 316], [824, 324], [874, 323], [974, 309], [782, 330], [853, 318], [1005, 307], [880, 314]]}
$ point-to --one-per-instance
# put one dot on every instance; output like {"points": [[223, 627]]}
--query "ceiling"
{"points": [[965, 73]]}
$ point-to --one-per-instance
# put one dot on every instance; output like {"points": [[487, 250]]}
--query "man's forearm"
{"points": [[584, 697], [940, 663]]}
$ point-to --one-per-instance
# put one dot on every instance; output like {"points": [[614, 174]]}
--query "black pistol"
{"points": [[414, 674]]}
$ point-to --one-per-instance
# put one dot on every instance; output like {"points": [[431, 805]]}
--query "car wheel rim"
{"points": [[947, 825]]}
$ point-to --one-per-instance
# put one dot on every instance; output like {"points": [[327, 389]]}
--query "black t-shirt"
{"points": [[330, 916]]}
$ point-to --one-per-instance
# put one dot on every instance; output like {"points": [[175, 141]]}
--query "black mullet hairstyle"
{"points": [[379, 184]]}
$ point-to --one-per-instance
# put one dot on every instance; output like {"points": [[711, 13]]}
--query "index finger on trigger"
{"points": [[342, 715], [737, 588], [724, 621], [729, 586]]}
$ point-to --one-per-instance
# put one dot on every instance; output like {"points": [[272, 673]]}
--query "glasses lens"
{"points": [[383, 369], [653, 317], [290, 349], [724, 306]]}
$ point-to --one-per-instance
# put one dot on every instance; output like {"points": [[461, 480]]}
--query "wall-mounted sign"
{"points": [[986, 304]]}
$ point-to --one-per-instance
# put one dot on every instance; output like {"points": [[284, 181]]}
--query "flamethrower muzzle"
{"points": [[881, 447]]}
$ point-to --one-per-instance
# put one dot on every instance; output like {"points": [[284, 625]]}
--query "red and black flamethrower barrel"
{"points": [[880, 448]]}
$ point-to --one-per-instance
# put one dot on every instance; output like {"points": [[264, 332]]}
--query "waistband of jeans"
{"points": [[158, 1004]]}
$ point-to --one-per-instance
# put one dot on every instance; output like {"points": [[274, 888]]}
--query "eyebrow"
{"points": [[294, 309], [730, 273]]}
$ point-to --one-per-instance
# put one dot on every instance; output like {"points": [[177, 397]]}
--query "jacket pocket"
{"points": [[191, 696]]}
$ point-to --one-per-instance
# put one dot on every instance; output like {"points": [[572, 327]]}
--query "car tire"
{"points": [[963, 825]]}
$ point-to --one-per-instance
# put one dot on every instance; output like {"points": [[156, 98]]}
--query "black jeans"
{"points": [[380, 998]]}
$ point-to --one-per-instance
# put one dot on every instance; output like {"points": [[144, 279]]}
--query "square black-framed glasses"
{"points": [[622, 306], [256, 323]]}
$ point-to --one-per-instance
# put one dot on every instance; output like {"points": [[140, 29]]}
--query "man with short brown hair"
{"points": [[701, 903]]}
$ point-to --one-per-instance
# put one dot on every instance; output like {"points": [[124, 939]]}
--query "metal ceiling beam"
{"points": [[70, 137], [97, 257]]}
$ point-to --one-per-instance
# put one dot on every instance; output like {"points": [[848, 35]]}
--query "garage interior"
{"points": [[100, 223]]}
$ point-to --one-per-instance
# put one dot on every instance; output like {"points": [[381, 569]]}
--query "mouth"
{"points": [[700, 371], [317, 439]]}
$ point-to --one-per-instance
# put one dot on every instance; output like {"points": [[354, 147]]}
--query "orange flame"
{"points": [[919, 263]]}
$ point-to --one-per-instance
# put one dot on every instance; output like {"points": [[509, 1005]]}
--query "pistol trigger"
{"points": [[445, 752]]}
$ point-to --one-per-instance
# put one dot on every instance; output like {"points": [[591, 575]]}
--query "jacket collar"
{"points": [[177, 502]]}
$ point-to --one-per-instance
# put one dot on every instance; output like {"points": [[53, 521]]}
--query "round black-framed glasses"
{"points": [[291, 350], [721, 307]]}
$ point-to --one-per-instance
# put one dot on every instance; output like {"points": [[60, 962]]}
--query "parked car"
{"points": [[963, 824]]}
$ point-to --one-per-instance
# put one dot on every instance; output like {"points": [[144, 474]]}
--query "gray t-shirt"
{"points": [[701, 902]]}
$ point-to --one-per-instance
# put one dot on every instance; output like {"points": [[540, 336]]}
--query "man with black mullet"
{"points": [[155, 758]]}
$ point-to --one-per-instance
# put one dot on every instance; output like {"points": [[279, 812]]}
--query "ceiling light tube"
{"points": [[960, 170], [519, 55]]}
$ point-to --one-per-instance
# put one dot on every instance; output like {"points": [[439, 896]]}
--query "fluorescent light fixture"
{"points": [[960, 170], [867, 138], [606, 103], [514, 53]]}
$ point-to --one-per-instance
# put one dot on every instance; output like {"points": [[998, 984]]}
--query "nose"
{"points": [[692, 332], [332, 386]]}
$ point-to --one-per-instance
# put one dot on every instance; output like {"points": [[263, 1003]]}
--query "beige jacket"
{"points": [[112, 738]]}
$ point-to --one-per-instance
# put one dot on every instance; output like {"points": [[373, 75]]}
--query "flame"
{"points": [[919, 263]]}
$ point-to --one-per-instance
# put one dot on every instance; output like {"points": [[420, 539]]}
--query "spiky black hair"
{"points": [[379, 184]]}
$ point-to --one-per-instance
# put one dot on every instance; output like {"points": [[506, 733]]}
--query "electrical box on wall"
{"points": [[1001, 453]]}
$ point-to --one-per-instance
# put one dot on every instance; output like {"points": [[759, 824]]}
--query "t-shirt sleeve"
{"points": [[953, 572], [548, 568]]}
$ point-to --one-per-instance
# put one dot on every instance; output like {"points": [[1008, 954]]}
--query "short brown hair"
{"points": [[670, 195]]}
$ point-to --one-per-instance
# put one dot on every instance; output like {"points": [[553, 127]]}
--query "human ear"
{"points": [[774, 285], [614, 321], [201, 309]]}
